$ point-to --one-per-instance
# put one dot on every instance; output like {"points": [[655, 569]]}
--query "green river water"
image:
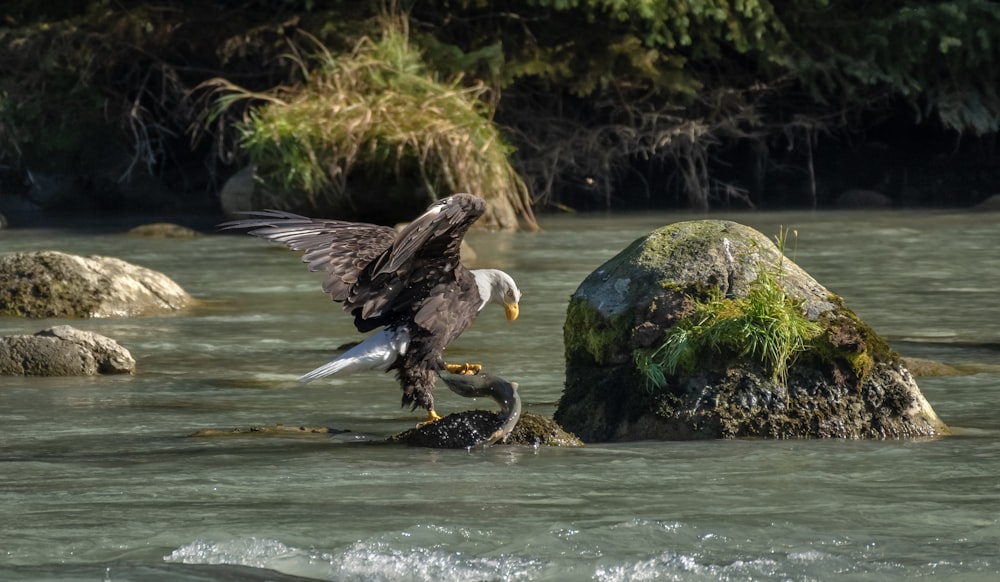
{"points": [[100, 480]]}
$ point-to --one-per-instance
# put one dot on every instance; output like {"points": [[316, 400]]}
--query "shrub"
{"points": [[374, 111]]}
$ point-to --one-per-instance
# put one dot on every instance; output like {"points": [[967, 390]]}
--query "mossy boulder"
{"points": [[54, 284], [849, 383], [63, 351]]}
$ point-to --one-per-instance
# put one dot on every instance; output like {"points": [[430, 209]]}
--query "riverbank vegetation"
{"points": [[375, 122], [703, 103]]}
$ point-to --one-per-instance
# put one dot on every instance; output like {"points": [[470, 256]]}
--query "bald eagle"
{"points": [[410, 285]]}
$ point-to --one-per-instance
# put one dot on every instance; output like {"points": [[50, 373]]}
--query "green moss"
{"points": [[765, 324], [534, 429], [38, 285], [589, 330], [666, 242], [849, 340]]}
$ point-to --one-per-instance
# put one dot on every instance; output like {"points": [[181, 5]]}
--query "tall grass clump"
{"points": [[376, 111], [767, 325]]}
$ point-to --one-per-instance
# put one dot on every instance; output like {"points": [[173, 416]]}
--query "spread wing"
{"points": [[342, 249], [423, 262], [384, 276]]}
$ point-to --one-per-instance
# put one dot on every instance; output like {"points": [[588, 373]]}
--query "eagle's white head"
{"points": [[498, 287]]}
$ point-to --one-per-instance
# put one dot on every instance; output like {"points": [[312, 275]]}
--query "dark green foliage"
{"points": [[587, 90], [941, 57], [670, 86], [591, 46]]}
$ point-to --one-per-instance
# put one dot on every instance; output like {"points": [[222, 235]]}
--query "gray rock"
{"points": [[54, 284], [49, 189], [238, 194], [850, 384], [990, 203], [63, 351], [863, 199]]}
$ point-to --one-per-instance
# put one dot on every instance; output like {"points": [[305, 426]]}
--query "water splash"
{"points": [[372, 560]]}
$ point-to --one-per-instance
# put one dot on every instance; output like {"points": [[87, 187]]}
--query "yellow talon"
{"points": [[467, 369], [432, 416]]}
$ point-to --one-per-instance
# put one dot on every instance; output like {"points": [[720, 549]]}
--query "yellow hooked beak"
{"points": [[512, 311]]}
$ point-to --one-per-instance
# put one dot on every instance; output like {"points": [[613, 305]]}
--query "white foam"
{"points": [[363, 561]]}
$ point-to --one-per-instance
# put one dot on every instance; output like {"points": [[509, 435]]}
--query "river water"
{"points": [[101, 480]]}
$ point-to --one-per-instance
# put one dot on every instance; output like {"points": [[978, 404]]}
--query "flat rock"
{"points": [[270, 430], [44, 284], [63, 351], [922, 367], [163, 230], [460, 430]]}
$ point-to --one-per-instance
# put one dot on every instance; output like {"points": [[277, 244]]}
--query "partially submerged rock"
{"points": [[54, 284], [271, 430], [63, 351], [851, 384], [471, 428], [921, 367], [461, 430], [474, 427], [163, 230]]}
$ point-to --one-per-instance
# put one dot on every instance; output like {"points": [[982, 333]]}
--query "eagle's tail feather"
{"points": [[377, 352]]}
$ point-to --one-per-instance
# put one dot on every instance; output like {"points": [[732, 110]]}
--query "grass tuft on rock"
{"points": [[767, 325]]}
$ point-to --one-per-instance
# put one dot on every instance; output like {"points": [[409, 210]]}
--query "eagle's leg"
{"points": [[467, 369], [417, 381]]}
